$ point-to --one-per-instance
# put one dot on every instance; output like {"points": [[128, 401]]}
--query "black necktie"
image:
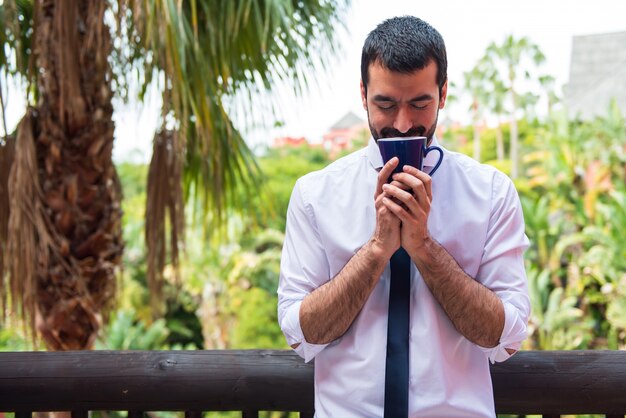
{"points": [[397, 364]]}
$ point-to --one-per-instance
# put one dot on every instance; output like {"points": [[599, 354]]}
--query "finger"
{"points": [[425, 178], [378, 203], [384, 174], [400, 185], [417, 186], [384, 212], [402, 197], [397, 210]]}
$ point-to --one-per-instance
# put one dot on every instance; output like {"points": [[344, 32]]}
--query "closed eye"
{"points": [[385, 105], [384, 102], [420, 105]]}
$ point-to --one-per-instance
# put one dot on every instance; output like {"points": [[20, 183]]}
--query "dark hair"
{"points": [[404, 44]]}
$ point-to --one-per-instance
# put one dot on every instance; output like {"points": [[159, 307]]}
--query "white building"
{"points": [[597, 75]]}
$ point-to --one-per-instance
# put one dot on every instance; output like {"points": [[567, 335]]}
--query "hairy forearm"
{"points": [[476, 312], [327, 312]]}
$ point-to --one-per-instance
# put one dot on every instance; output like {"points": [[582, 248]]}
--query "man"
{"points": [[463, 231]]}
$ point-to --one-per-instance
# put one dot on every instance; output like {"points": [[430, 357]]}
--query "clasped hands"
{"points": [[402, 209]]}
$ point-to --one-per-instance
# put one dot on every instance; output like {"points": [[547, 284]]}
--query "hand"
{"points": [[386, 238], [411, 191]]}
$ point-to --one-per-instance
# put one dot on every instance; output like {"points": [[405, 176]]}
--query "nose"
{"points": [[403, 120]]}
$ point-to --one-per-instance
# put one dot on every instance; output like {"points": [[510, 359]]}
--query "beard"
{"points": [[389, 132]]}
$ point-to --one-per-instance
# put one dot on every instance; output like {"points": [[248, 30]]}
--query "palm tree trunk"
{"points": [[514, 139], [80, 193], [499, 141], [514, 147], [476, 130]]}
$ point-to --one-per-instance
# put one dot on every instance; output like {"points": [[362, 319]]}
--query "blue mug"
{"points": [[410, 150]]}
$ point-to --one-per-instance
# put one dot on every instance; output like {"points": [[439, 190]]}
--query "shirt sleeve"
{"points": [[303, 268], [502, 266]]}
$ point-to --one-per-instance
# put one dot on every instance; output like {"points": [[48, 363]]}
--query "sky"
{"points": [[467, 26]]}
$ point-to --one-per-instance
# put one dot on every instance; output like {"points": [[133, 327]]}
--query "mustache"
{"points": [[392, 132]]}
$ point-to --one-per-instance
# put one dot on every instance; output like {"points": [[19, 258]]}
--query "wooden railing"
{"points": [[546, 382]]}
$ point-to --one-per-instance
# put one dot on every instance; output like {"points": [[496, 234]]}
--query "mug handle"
{"points": [[434, 148]]}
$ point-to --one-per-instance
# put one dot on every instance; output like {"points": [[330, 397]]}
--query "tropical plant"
{"points": [[512, 54], [237, 285], [125, 332], [547, 83], [12, 337], [496, 104], [575, 205], [64, 238], [239, 300], [556, 322], [64, 234], [474, 84]]}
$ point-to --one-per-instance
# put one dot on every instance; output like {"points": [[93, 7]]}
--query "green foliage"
{"points": [[258, 321], [16, 22], [12, 338], [227, 298], [239, 302], [282, 167], [134, 178], [556, 322], [213, 61], [237, 280], [181, 320], [125, 332], [574, 202]]}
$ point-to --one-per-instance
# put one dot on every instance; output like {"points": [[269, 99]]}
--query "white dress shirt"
{"points": [[475, 215]]}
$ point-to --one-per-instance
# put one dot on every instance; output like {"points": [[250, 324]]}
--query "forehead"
{"points": [[385, 81]]}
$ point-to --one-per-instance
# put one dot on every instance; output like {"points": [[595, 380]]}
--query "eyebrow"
{"points": [[422, 98]]}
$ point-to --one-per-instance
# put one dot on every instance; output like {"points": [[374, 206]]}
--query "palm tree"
{"points": [[497, 106], [474, 83], [496, 98], [512, 53], [64, 234], [547, 86]]}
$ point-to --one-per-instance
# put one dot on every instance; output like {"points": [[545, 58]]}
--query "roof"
{"points": [[597, 74], [348, 121]]}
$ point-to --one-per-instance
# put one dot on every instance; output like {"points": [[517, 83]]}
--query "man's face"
{"points": [[400, 104]]}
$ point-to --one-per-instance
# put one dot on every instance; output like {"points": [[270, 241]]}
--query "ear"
{"points": [[444, 95], [363, 96]]}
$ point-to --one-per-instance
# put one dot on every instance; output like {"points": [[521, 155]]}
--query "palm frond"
{"points": [[164, 211], [25, 237], [16, 34], [212, 50], [205, 56]]}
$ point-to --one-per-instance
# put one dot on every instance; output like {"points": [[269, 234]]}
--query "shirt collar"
{"points": [[376, 160]]}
